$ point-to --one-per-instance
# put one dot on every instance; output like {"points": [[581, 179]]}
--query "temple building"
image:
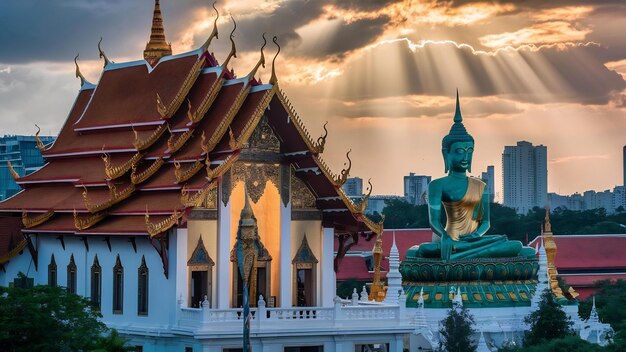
{"points": [[139, 203]]}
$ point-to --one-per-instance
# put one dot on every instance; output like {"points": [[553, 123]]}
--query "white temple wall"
{"points": [[21, 263], [161, 292]]}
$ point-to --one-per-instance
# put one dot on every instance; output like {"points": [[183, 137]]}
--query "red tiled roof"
{"points": [[575, 252], [353, 267], [10, 235], [133, 88]]}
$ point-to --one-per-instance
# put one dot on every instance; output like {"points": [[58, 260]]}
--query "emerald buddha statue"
{"points": [[465, 201]]}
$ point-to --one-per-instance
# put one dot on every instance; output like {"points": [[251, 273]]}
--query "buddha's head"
{"points": [[458, 145]]}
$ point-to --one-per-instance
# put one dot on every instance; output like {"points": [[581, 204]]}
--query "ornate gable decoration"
{"points": [[304, 253], [255, 177], [200, 256], [264, 138], [301, 195]]}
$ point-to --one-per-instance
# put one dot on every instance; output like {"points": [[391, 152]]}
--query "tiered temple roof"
{"points": [[139, 145]]}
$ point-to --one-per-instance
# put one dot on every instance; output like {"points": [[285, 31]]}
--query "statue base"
{"points": [[484, 282]]}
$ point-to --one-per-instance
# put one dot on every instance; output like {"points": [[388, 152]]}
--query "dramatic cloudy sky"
{"points": [[382, 73]]}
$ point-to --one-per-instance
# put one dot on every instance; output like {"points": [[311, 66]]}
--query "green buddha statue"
{"points": [[465, 201]]}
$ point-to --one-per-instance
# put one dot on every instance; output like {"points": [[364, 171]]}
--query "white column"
{"points": [[285, 256], [180, 263], [397, 344], [223, 264], [327, 268]]}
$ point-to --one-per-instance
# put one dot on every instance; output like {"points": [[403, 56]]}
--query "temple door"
{"points": [[305, 280], [200, 267]]}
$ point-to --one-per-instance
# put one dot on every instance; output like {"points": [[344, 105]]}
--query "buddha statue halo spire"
{"points": [[457, 133]]}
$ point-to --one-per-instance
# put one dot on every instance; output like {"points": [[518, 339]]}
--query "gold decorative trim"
{"points": [[14, 173], [248, 129], [116, 197], [36, 221], [89, 221], [315, 148], [206, 197], [14, 252], [113, 172], [184, 175], [225, 123], [174, 146], [40, 144], [163, 225], [137, 178], [167, 112], [337, 180], [221, 168], [142, 144]]}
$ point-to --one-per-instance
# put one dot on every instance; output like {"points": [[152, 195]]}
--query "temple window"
{"points": [[304, 269], [96, 283], [142, 286], [52, 272], [71, 275], [118, 287], [200, 267]]}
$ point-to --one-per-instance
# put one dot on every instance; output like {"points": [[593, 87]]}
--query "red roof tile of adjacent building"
{"points": [[353, 267], [578, 252]]}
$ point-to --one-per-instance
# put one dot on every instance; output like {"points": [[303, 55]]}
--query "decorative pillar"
{"points": [[223, 264], [327, 269], [286, 278]]}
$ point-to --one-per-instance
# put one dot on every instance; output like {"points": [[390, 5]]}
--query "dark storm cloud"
{"points": [[551, 74], [42, 30]]}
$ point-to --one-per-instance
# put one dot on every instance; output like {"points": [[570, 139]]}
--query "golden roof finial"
{"points": [[321, 141], [14, 173], [363, 204], [102, 54], [40, 145], [261, 60], [233, 48], [157, 47], [343, 177], [547, 227], [214, 33], [78, 74], [273, 78]]}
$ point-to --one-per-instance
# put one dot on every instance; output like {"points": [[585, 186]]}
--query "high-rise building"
{"points": [[416, 188], [353, 187], [25, 158], [489, 178], [525, 176]]}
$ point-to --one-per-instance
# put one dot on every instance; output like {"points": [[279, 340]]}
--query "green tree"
{"points": [[548, 322], [46, 318], [456, 331]]}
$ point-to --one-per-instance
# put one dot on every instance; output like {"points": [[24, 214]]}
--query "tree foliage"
{"points": [[456, 331], [46, 318], [548, 322]]}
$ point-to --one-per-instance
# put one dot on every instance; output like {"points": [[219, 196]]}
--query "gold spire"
{"points": [[547, 228], [157, 47]]}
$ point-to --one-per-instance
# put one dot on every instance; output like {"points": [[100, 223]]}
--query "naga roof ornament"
{"points": [[214, 33], [233, 48], [40, 146], [102, 54], [343, 177], [273, 78], [261, 61], [78, 73]]}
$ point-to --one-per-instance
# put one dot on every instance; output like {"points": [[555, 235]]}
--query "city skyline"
{"points": [[382, 74]]}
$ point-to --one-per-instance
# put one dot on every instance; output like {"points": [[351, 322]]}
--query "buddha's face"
{"points": [[459, 157]]}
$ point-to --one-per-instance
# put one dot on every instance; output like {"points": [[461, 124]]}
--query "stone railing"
{"points": [[342, 314]]}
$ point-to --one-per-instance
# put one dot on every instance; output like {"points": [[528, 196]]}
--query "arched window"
{"points": [[118, 287], [96, 283], [200, 267], [71, 275], [142, 287], [52, 272]]}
